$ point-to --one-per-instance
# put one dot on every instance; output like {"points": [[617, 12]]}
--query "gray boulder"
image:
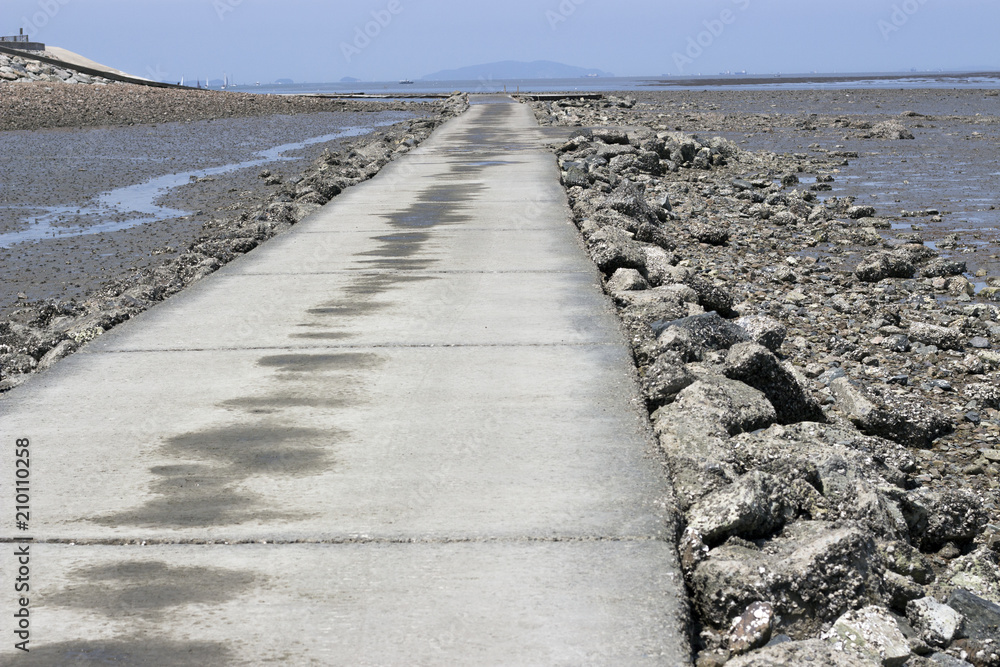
{"points": [[696, 450], [628, 200], [575, 177], [812, 573], [945, 338], [835, 472], [982, 617], [658, 265], [611, 135], [943, 268], [881, 265], [666, 378], [873, 632], [937, 517], [710, 233], [613, 249], [938, 624], [977, 573], [627, 280], [709, 329], [756, 505], [765, 330], [858, 212], [876, 412], [756, 366], [711, 296], [734, 406], [796, 654]]}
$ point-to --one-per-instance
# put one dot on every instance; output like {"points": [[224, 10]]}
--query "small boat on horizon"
{"points": [[405, 82]]}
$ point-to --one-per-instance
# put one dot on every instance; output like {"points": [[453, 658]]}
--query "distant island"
{"points": [[350, 79], [512, 69]]}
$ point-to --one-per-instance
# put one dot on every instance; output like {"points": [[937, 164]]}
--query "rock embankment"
{"points": [[39, 335], [28, 70], [832, 431]]}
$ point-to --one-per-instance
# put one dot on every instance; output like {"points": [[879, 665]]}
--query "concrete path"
{"points": [[404, 433]]}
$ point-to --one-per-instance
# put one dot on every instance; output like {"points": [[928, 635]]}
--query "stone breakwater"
{"points": [[40, 334], [28, 70], [831, 430]]}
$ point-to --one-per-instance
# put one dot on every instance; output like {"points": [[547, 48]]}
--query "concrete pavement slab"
{"points": [[419, 399]]}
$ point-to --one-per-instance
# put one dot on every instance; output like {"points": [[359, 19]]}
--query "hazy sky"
{"points": [[324, 40]]}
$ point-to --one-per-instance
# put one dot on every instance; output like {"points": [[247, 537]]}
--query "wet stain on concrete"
{"points": [[132, 652], [315, 363], [276, 402], [347, 308], [259, 448], [150, 588], [208, 494], [323, 335]]}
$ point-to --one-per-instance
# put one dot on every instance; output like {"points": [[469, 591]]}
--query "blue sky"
{"points": [[317, 41]]}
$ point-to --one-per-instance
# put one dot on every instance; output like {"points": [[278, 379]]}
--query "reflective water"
{"points": [[127, 207]]}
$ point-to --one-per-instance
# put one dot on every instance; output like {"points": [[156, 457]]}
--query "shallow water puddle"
{"points": [[135, 205]]}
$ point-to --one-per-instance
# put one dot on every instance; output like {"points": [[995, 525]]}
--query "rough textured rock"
{"points": [[977, 572], [756, 505], [881, 265], [938, 624], [796, 654], [628, 200], [903, 559], [627, 280], [734, 406], [943, 337], [613, 249], [711, 297], [878, 413], [813, 572], [752, 629], [764, 330], [666, 378], [873, 632], [936, 517], [756, 366], [982, 617], [709, 329], [835, 473]]}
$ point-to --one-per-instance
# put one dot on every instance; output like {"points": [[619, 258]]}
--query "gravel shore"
{"points": [[34, 106], [823, 379]]}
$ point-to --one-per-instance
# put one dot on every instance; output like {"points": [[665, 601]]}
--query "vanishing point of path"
{"points": [[404, 433]]}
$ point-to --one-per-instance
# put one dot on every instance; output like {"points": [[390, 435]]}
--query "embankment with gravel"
{"points": [[35, 106], [831, 426]]}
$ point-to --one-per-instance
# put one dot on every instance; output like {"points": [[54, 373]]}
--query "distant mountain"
{"points": [[512, 69], [350, 79]]}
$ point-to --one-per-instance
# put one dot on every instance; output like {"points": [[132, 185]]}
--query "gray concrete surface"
{"points": [[405, 433]]}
